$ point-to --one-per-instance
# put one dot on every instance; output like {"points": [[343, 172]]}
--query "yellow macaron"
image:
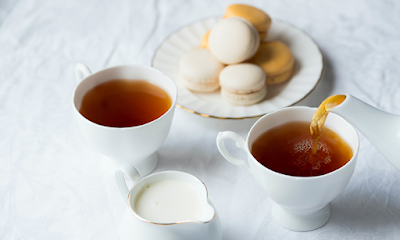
{"points": [[256, 16], [276, 59], [204, 40]]}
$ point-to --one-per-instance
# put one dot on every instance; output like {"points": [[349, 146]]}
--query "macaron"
{"points": [[204, 40], [233, 40], [276, 59], [199, 70], [243, 84], [256, 16]]}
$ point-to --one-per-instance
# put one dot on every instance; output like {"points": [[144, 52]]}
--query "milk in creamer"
{"points": [[168, 201]]}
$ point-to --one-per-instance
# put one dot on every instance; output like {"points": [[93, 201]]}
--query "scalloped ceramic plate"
{"points": [[309, 66]]}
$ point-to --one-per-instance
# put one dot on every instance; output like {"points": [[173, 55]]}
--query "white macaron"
{"points": [[243, 84], [199, 70], [233, 40]]}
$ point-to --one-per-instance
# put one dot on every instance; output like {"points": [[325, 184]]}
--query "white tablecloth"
{"points": [[52, 185]]}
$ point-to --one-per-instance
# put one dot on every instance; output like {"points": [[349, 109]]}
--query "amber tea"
{"points": [[124, 103], [288, 149]]}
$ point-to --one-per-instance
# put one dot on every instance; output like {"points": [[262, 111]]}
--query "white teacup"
{"points": [[134, 145], [300, 203]]}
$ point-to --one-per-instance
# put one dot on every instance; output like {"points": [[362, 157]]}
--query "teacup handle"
{"points": [[133, 175], [81, 72], [240, 143]]}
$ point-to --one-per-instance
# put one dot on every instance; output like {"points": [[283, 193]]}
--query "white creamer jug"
{"points": [[206, 225]]}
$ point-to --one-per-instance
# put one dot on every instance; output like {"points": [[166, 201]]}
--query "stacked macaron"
{"points": [[243, 84], [276, 60], [200, 70], [260, 20], [233, 40], [232, 57]]}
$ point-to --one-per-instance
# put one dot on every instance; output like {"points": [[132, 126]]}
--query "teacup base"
{"points": [[301, 223], [148, 165], [144, 168]]}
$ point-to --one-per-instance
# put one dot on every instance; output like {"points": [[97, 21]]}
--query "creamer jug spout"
{"points": [[382, 129]]}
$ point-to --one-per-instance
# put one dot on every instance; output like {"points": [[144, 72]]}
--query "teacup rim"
{"points": [[173, 223], [123, 66], [302, 178]]}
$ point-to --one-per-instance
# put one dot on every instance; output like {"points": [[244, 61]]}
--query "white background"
{"points": [[52, 185]]}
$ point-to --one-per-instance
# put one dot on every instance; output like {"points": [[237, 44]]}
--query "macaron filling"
{"points": [[244, 99]]}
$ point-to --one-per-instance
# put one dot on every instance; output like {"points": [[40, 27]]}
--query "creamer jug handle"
{"points": [[81, 72], [132, 174], [240, 143]]}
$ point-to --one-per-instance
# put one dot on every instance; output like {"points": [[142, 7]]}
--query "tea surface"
{"points": [[124, 103], [287, 149]]}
